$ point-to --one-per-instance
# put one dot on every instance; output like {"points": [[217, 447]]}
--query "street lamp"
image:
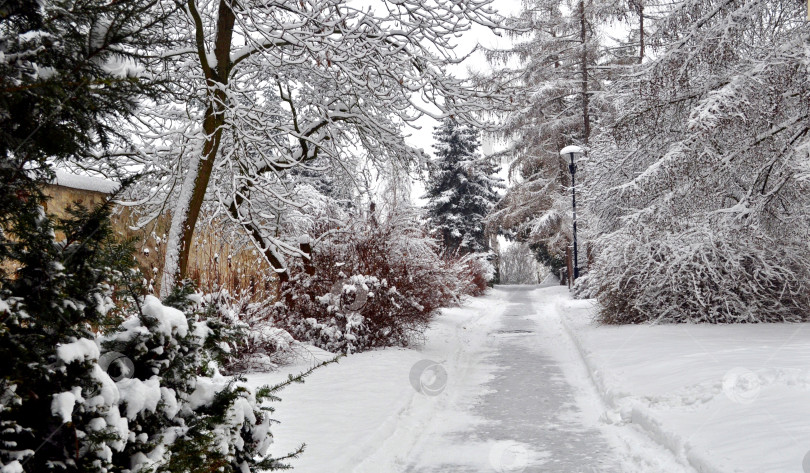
{"points": [[574, 152]]}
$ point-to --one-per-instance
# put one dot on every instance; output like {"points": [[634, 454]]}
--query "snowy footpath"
{"points": [[521, 381]]}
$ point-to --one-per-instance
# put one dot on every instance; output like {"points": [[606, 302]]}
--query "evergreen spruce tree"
{"points": [[182, 414], [85, 392], [64, 80], [462, 188], [69, 70], [63, 83], [57, 97], [61, 292]]}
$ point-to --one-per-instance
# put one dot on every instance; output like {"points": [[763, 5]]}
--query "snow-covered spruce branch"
{"points": [[269, 392]]}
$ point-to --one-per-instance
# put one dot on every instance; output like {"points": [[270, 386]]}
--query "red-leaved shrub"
{"points": [[376, 282]]}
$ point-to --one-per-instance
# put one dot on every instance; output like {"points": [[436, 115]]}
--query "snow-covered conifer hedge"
{"points": [[97, 378]]}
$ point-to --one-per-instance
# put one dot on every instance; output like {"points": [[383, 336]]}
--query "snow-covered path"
{"points": [[529, 419], [503, 389]]}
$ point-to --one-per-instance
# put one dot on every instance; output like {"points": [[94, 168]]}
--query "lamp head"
{"points": [[572, 149]]}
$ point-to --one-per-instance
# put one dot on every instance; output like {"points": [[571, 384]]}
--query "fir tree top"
{"points": [[461, 189]]}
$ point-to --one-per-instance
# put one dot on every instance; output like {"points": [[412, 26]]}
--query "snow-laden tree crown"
{"points": [[257, 89]]}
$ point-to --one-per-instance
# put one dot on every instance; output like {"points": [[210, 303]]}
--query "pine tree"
{"points": [[60, 408], [67, 74], [462, 188], [69, 69], [59, 97], [66, 407], [182, 414]]}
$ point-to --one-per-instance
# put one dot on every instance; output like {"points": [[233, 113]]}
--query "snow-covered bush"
{"points": [[374, 283], [99, 378], [181, 413], [475, 272], [584, 287], [701, 275], [257, 344], [59, 291]]}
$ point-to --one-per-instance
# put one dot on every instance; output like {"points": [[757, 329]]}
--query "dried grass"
{"points": [[220, 259]]}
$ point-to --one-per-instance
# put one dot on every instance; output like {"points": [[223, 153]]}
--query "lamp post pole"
{"points": [[572, 151], [573, 168]]}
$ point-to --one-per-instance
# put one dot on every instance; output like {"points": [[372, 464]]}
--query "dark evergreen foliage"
{"points": [[64, 408], [60, 292], [70, 304], [462, 188], [67, 70], [555, 260], [203, 420]]}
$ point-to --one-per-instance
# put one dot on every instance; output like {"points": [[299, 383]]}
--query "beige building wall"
{"points": [[218, 258], [58, 198]]}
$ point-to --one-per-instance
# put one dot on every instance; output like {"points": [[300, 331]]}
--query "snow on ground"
{"points": [[497, 386], [346, 412], [522, 381], [729, 398]]}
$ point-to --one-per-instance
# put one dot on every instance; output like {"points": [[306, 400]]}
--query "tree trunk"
{"points": [[641, 31], [185, 220], [583, 36]]}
